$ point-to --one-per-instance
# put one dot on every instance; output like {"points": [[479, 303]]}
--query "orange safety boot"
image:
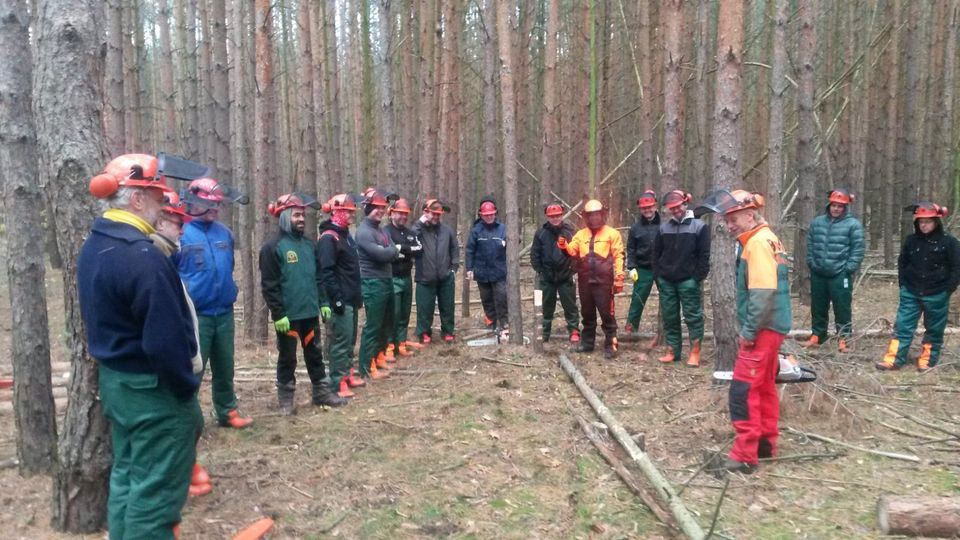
{"points": [[402, 350], [376, 374], [197, 490], [353, 381], [923, 363], [414, 345], [234, 420], [694, 359], [381, 361], [668, 358], [813, 342], [199, 475], [889, 362], [256, 530], [345, 389], [390, 357], [844, 347], [176, 531]]}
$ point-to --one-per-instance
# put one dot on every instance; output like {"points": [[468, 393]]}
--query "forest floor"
{"points": [[454, 445]]}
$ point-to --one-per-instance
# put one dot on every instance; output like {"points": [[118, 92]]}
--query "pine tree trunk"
{"points": [[334, 155], [187, 78], [34, 410], [449, 153], [66, 101], [411, 126], [428, 113], [549, 172], [701, 170], [648, 170], [491, 175], [672, 21], [506, 26], [778, 104], [114, 126], [320, 113], [131, 78], [167, 96], [947, 169], [890, 152], [221, 93], [726, 174], [264, 145], [806, 144], [385, 84]]}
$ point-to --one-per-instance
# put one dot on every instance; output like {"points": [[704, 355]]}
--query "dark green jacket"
{"points": [[288, 277], [835, 245]]}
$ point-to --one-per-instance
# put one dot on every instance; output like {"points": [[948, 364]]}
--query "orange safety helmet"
{"points": [[206, 189], [488, 208], [726, 202], [648, 199], [291, 200], [841, 196], [553, 210], [927, 210], [675, 198], [173, 205], [401, 206], [745, 200], [128, 170], [342, 201], [434, 206]]}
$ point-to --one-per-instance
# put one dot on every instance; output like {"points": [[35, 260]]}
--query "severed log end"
{"points": [[937, 517]]}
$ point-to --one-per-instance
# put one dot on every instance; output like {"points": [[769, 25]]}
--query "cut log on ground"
{"points": [[937, 517], [685, 520]]}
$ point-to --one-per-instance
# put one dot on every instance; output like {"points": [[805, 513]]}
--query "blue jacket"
{"points": [[486, 252], [835, 246], [133, 308], [206, 266]]}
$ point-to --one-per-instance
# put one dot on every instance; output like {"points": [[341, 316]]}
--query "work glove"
{"points": [[338, 307], [634, 275], [562, 243], [416, 248], [470, 275], [282, 325], [325, 313]]}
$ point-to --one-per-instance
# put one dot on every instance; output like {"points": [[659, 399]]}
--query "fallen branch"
{"points": [[625, 474], [665, 491], [827, 481], [802, 457], [920, 421], [716, 511], [495, 361], [891, 455]]}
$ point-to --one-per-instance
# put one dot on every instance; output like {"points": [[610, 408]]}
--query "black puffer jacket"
{"points": [[643, 235], [406, 238], [546, 258], [339, 265], [929, 263]]}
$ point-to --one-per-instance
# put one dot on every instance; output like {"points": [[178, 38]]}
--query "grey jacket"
{"points": [[376, 251], [441, 253]]}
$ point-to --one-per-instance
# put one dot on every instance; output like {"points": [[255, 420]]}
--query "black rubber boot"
{"points": [[285, 398], [324, 396]]}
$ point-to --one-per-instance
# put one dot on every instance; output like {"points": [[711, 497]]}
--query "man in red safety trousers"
{"points": [[764, 317]]}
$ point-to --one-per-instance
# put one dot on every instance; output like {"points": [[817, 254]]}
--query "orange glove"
{"points": [[562, 243], [618, 285]]}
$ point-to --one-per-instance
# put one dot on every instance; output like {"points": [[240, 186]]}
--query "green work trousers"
{"points": [[378, 326], [641, 291], [687, 296], [824, 290], [342, 341], [154, 448], [567, 292], [402, 303], [428, 295], [216, 349], [934, 308]]}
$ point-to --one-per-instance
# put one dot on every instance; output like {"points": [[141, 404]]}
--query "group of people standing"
{"points": [[156, 290]]}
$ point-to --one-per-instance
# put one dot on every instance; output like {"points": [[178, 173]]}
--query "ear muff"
{"points": [[326, 208], [104, 185], [272, 209]]}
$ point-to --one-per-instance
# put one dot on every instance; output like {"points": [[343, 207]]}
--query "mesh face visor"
{"points": [[718, 202], [201, 201], [179, 168]]}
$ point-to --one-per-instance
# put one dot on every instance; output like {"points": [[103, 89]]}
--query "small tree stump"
{"points": [[937, 517]]}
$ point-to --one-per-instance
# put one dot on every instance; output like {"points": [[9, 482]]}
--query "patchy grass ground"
{"points": [[456, 446]]}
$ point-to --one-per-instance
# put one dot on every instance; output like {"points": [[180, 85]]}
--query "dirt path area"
{"points": [[456, 446]]}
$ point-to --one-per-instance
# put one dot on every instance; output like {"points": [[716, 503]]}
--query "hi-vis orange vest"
{"points": [[599, 256]]}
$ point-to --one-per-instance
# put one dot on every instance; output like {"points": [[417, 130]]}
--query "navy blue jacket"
{"points": [[486, 252], [929, 263], [546, 258], [133, 308], [206, 266], [682, 250]]}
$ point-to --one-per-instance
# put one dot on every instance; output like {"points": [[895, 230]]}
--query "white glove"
{"points": [[398, 246], [416, 248], [470, 275], [400, 256], [634, 275], [424, 218], [503, 243]]}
